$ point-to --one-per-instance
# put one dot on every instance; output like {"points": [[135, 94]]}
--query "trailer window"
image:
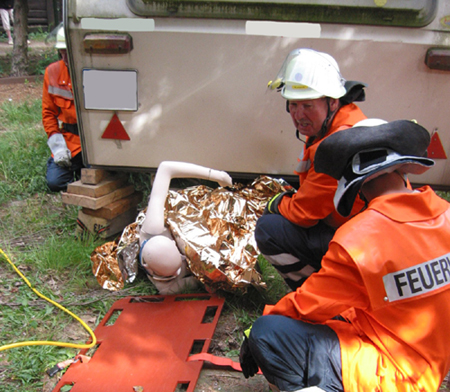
{"points": [[412, 13]]}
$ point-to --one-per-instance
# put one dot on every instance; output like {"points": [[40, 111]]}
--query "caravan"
{"points": [[186, 80]]}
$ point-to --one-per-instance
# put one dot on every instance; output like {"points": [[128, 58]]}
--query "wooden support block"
{"points": [[102, 188], [105, 228], [94, 203], [116, 208], [93, 176]]}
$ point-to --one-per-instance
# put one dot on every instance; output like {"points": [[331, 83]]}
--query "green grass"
{"points": [[23, 151], [444, 195], [38, 35], [38, 64]]}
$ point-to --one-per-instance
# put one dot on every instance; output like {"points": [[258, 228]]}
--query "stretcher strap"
{"points": [[219, 361]]}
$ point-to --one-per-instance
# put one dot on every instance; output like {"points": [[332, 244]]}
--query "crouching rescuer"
{"points": [[294, 232], [375, 317], [60, 122]]}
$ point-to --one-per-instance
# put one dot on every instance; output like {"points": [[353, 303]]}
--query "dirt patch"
{"points": [[226, 336], [21, 91], [227, 339], [18, 240]]}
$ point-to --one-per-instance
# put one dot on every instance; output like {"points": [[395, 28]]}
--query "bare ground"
{"points": [[19, 89]]}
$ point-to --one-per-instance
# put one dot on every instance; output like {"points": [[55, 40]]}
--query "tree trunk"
{"points": [[19, 63]]}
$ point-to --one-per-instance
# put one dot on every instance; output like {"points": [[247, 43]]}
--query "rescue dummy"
{"points": [[375, 317], [296, 228], [212, 227], [159, 254], [60, 122]]}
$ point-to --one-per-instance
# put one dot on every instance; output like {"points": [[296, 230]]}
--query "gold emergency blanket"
{"points": [[214, 227], [117, 261], [105, 267]]}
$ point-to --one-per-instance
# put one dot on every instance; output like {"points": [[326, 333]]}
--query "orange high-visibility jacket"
{"points": [[314, 199], [58, 104], [387, 272]]}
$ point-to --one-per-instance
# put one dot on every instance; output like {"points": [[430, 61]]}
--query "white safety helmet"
{"points": [[161, 258], [60, 39], [308, 74]]}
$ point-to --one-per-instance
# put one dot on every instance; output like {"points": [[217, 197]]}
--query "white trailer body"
{"points": [[186, 81]]}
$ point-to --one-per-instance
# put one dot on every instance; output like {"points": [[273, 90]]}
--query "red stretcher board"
{"points": [[144, 344]]}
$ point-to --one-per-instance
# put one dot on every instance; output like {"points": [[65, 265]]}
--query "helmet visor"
{"points": [[369, 164], [370, 161], [279, 80]]}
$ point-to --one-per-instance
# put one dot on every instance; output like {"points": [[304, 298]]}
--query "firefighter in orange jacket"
{"points": [[294, 232], [60, 122], [386, 273]]}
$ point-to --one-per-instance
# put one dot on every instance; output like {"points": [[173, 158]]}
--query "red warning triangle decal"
{"points": [[115, 130], [435, 149]]}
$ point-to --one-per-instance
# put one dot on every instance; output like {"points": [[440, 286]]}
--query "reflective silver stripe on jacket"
{"points": [[59, 91], [302, 166]]}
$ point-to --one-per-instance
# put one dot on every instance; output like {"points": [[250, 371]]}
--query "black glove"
{"points": [[248, 364], [272, 204]]}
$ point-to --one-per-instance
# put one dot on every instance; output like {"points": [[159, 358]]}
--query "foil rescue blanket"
{"points": [[213, 228]]}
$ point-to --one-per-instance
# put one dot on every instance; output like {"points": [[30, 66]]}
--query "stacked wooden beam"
{"points": [[108, 201]]}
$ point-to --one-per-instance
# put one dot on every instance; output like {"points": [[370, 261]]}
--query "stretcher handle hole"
{"points": [[210, 313]]}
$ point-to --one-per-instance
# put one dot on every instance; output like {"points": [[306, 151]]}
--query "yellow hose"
{"points": [[48, 343]]}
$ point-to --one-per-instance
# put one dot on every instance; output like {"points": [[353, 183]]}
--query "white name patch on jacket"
{"points": [[420, 279]]}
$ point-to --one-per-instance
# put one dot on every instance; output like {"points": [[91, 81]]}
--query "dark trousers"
{"points": [[293, 354], [59, 177], [294, 251]]}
